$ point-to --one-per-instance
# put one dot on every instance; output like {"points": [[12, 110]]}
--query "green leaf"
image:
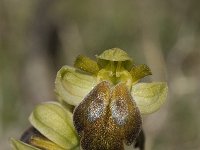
{"points": [[19, 145], [139, 72], [55, 122], [149, 96], [86, 64], [73, 85]]}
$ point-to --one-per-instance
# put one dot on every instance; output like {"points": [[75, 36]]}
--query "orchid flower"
{"points": [[101, 104]]}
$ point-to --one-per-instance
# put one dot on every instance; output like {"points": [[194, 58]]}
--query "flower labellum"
{"points": [[107, 117]]}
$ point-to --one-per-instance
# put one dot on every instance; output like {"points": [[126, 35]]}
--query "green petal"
{"points": [[73, 85], [19, 145], [86, 64], [149, 96], [55, 122], [139, 72]]}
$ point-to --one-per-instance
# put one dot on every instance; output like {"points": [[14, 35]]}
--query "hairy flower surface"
{"points": [[109, 102], [107, 117]]}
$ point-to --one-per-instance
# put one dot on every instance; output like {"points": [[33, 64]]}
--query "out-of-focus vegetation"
{"points": [[38, 37]]}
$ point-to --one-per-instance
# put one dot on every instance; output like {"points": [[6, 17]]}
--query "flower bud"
{"points": [[55, 123]]}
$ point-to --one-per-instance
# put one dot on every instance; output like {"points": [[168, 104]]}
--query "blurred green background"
{"points": [[37, 37]]}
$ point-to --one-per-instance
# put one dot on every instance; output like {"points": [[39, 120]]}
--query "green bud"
{"points": [[55, 123]]}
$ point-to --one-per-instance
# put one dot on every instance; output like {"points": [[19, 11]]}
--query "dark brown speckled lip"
{"points": [[107, 118]]}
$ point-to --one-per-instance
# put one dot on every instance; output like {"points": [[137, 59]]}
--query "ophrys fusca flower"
{"points": [[101, 105]]}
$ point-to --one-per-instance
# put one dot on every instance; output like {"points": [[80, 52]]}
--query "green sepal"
{"points": [[72, 85], [114, 54], [19, 145], [55, 123], [149, 96], [139, 72], [86, 64]]}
